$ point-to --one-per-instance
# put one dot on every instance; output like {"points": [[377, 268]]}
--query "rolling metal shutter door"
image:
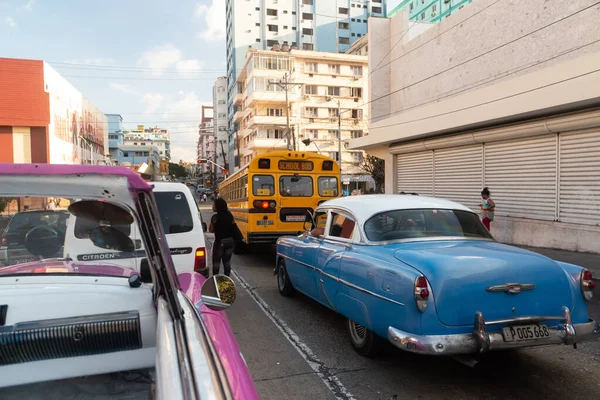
{"points": [[521, 175], [580, 178], [459, 175], [415, 173]]}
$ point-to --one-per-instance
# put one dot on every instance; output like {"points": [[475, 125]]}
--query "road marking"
{"points": [[329, 379]]}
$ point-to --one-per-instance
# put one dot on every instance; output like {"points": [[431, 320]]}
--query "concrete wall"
{"points": [[459, 54]]}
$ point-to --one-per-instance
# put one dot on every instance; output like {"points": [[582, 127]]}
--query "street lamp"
{"points": [[307, 142]]}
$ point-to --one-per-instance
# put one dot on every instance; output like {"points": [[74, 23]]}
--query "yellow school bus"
{"points": [[270, 196]]}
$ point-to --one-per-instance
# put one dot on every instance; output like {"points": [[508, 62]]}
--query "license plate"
{"points": [[295, 218], [525, 332], [264, 222]]}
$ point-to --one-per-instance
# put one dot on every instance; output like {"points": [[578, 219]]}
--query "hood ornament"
{"points": [[511, 288]]}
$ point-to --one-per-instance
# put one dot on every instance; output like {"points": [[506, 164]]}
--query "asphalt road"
{"points": [[297, 349]]}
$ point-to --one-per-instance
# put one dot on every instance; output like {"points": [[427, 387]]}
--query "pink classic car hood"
{"points": [[67, 267]]}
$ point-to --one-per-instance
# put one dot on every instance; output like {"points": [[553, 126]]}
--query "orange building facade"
{"points": [[44, 119]]}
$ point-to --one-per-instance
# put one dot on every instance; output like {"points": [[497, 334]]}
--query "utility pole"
{"points": [[285, 84], [340, 135]]}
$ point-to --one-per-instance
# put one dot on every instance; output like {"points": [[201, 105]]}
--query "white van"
{"points": [[182, 223]]}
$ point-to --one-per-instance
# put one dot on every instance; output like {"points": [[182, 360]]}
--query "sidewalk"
{"points": [[587, 260]]}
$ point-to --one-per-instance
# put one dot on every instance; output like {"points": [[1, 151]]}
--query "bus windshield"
{"points": [[296, 186]]}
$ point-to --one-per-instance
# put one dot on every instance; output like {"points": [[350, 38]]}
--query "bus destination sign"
{"points": [[296, 165]]}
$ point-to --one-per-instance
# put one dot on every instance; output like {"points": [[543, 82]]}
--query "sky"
{"points": [[152, 61]]}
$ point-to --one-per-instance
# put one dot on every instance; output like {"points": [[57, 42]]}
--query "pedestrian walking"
{"points": [[487, 208], [223, 226], [204, 198]]}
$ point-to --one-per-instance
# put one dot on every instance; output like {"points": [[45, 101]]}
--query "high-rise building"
{"points": [[206, 148], [320, 25], [221, 123], [427, 10]]}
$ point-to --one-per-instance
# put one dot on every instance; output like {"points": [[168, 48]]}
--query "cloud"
{"points": [[166, 56], [10, 22], [29, 5], [95, 61], [215, 21], [123, 87], [152, 101]]}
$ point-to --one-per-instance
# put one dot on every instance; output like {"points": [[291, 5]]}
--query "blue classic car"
{"points": [[426, 274]]}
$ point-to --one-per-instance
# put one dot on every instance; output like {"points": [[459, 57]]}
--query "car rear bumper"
{"points": [[481, 341]]}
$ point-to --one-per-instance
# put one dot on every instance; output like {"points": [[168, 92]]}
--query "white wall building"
{"points": [[475, 102], [321, 25], [221, 122], [150, 137], [325, 85]]}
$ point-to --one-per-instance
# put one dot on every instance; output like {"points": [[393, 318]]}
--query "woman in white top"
{"points": [[487, 207]]}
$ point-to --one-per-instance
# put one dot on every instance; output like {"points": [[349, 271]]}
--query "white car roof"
{"points": [[168, 186], [365, 206]]}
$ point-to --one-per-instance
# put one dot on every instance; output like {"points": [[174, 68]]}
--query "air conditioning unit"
{"points": [[356, 99]]}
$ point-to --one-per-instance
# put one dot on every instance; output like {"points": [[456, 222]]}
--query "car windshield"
{"points": [[414, 224], [40, 235]]}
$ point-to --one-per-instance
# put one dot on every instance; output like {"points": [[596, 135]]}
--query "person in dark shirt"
{"points": [[222, 225]]}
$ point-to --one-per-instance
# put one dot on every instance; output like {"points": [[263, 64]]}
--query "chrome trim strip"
{"points": [[325, 295], [342, 281], [511, 288], [86, 319]]}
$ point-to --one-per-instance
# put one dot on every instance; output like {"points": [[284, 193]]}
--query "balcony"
{"points": [[266, 120], [268, 144], [239, 98]]}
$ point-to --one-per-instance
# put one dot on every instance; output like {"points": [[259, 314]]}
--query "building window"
{"points": [[307, 31], [221, 102], [293, 28], [333, 91], [257, 8], [271, 12], [410, 6], [334, 155], [307, 2], [307, 16], [257, 24], [274, 134], [377, 1], [376, 10], [357, 70], [274, 112], [311, 112], [358, 34], [293, 12], [356, 134], [334, 68], [355, 92], [311, 90], [344, 40], [343, 25], [343, 10], [357, 157], [422, 16], [354, 20], [285, 27], [273, 28], [257, 40], [311, 67], [334, 112], [307, 46], [356, 114], [311, 133]]}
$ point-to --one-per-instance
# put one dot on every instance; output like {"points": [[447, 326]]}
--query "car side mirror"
{"points": [[218, 292]]}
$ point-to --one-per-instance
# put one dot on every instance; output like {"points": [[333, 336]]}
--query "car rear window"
{"points": [[84, 226], [175, 213], [29, 220]]}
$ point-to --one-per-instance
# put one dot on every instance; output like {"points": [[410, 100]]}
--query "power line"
{"points": [[128, 68], [489, 102], [480, 55]]}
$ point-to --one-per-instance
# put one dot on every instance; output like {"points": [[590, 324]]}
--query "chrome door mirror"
{"points": [[218, 292]]}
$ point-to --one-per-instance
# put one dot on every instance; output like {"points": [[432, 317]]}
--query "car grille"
{"points": [[69, 337]]}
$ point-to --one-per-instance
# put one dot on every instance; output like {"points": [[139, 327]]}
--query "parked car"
{"points": [[181, 221], [92, 319], [12, 241], [426, 275]]}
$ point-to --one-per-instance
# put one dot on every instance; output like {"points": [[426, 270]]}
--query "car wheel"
{"points": [[283, 281], [365, 342]]}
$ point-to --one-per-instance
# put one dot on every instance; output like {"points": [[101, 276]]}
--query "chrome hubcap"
{"points": [[358, 332]]}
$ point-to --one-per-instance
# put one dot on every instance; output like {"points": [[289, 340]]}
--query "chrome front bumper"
{"points": [[481, 341]]}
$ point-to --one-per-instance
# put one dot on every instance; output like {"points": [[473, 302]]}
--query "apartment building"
{"points": [[220, 122], [427, 10], [206, 148], [312, 25], [325, 91]]}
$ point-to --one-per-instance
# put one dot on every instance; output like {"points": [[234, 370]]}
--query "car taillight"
{"points": [[200, 259], [421, 293], [587, 285]]}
